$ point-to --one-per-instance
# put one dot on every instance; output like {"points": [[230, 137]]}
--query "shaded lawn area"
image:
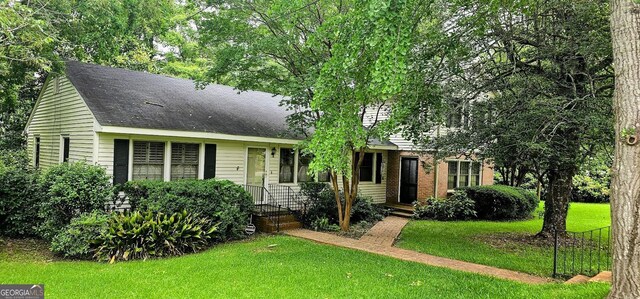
{"points": [[485, 242], [252, 269]]}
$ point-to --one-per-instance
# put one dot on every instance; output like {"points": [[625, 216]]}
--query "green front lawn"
{"points": [[291, 268], [487, 242]]}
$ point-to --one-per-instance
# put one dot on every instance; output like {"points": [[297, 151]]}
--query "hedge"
{"points": [[221, 201], [499, 202]]}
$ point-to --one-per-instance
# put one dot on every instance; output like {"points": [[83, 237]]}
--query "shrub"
{"points": [[221, 201], [322, 204], [499, 202], [323, 224], [18, 200], [590, 189], [138, 235], [79, 238], [457, 207], [69, 190]]}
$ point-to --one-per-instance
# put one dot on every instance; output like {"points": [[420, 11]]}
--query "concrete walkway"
{"points": [[380, 239]]}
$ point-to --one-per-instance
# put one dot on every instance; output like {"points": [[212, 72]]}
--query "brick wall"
{"points": [[426, 175]]}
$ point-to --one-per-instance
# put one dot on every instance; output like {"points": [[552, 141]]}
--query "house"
{"points": [[145, 126]]}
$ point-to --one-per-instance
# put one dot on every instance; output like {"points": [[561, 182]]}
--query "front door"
{"points": [[409, 180], [256, 170]]}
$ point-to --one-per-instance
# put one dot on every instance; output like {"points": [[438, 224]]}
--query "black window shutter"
{"points": [[209, 161], [378, 168], [120, 161]]}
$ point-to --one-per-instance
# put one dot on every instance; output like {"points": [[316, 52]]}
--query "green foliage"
{"points": [[79, 238], [221, 201], [322, 205], [457, 207], [148, 35], [498, 202], [539, 89], [18, 196], [323, 224], [590, 189], [593, 181], [153, 234], [68, 190], [333, 60]]}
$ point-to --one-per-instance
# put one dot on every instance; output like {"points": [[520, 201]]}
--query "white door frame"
{"points": [[266, 164]]}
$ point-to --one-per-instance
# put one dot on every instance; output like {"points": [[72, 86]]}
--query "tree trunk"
{"points": [[350, 190], [557, 201], [625, 184]]}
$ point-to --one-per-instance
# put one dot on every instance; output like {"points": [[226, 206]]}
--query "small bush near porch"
{"points": [[508, 245]]}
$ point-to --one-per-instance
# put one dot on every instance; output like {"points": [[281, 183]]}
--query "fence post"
{"points": [[555, 253], [278, 219]]}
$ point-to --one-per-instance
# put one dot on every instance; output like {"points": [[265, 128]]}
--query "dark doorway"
{"points": [[409, 180]]}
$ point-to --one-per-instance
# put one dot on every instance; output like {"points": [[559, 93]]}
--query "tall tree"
{"points": [[27, 42], [625, 186], [37, 35], [535, 90], [340, 64]]}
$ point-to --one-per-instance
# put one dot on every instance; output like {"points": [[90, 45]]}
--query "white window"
{"points": [[463, 174], [184, 160], [65, 143], [294, 168], [287, 165], [148, 160]]}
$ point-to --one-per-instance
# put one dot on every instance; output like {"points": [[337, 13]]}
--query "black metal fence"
{"points": [[587, 253]]}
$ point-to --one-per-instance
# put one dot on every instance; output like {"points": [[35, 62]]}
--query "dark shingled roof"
{"points": [[124, 98]]}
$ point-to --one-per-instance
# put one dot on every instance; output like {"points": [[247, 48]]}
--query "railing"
{"points": [[587, 253], [277, 200]]}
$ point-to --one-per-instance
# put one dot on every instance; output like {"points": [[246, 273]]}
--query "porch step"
{"points": [[270, 224], [400, 210], [401, 213]]}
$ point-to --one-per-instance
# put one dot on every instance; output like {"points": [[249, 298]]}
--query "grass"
{"points": [[269, 267], [485, 242]]}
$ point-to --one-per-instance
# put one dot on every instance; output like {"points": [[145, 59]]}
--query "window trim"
{"points": [[61, 153], [166, 161], [37, 150], [295, 163], [171, 164], [469, 175]]}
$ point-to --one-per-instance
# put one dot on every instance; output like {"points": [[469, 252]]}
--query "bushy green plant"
{"points": [[18, 198], [499, 202], [321, 203], [136, 235], [590, 189], [323, 224], [79, 238], [457, 207], [221, 201], [69, 190]]}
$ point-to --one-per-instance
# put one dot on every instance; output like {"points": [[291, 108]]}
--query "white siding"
{"points": [[230, 160], [397, 139], [61, 113]]}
